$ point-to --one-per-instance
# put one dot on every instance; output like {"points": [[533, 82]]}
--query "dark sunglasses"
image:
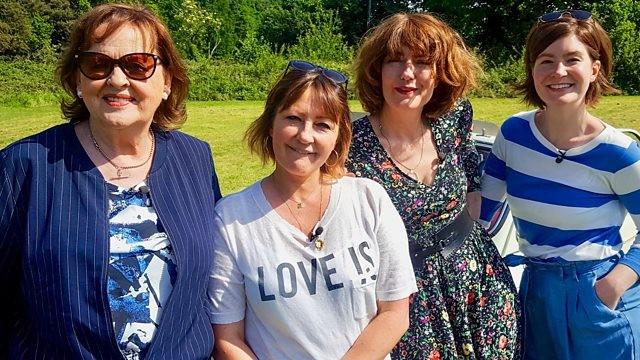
{"points": [[337, 77], [98, 66], [579, 15]]}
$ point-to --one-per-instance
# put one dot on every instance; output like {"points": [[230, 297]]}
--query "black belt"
{"points": [[445, 241]]}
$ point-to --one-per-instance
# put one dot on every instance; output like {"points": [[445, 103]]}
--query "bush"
{"points": [[321, 44], [499, 81], [28, 83], [620, 18], [226, 80]]}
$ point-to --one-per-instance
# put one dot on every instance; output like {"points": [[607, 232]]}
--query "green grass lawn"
{"points": [[222, 125]]}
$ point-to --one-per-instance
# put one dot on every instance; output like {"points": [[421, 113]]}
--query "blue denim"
{"points": [[565, 319]]}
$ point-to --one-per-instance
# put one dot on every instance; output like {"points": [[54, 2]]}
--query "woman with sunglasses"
{"points": [[412, 71], [105, 231], [308, 264], [569, 179]]}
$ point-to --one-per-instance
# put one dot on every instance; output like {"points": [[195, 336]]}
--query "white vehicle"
{"points": [[502, 228]]}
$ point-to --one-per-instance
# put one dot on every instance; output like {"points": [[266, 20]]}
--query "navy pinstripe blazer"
{"points": [[54, 248]]}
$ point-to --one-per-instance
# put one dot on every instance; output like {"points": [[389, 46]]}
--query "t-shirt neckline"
{"points": [[273, 216], [586, 147]]}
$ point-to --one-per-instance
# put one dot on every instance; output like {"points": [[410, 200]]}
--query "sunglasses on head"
{"points": [[579, 15], [337, 77], [98, 66]]}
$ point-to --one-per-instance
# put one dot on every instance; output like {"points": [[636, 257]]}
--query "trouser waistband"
{"points": [[576, 266]]}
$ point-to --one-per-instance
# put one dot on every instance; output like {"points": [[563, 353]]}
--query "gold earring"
{"points": [[337, 157]]}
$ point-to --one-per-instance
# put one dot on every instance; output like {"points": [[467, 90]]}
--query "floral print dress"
{"points": [[466, 305]]}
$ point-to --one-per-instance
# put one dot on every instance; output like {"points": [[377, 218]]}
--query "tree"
{"points": [[285, 21], [622, 20], [34, 28], [15, 28]]}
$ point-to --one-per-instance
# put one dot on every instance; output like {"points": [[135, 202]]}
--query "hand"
{"points": [[610, 288], [605, 291]]}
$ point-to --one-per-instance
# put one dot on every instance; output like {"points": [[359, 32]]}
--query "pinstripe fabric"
{"points": [[54, 248]]}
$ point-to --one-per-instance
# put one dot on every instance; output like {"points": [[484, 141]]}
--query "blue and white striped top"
{"points": [[572, 210]]}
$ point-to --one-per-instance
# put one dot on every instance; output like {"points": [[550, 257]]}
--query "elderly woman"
{"points": [[411, 69], [570, 179], [308, 264], [105, 231]]}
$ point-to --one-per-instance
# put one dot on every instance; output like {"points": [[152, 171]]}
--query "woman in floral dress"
{"points": [[411, 71]]}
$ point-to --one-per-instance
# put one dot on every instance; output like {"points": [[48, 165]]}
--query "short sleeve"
{"points": [[226, 292], [396, 279]]}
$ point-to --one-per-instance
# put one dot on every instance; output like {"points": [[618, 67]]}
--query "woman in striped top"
{"points": [[570, 179]]}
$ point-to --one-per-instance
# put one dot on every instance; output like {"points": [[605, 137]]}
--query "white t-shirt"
{"points": [[298, 302]]}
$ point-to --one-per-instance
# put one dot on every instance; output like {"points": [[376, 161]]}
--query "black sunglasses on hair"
{"points": [[337, 77], [98, 66], [579, 15]]}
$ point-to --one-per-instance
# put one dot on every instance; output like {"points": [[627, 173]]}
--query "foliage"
{"points": [[499, 81], [195, 30], [28, 83], [285, 21], [622, 19], [225, 80], [247, 35], [15, 29], [320, 43]]}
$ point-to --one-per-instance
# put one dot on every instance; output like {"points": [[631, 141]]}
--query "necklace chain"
{"points": [[120, 169], [318, 242], [300, 204], [411, 171]]}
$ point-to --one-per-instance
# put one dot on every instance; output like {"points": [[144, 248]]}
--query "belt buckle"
{"points": [[445, 241]]}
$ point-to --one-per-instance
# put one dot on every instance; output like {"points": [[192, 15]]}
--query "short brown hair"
{"points": [[425, 35], [291, 86], [171, 113], [590, 33]]}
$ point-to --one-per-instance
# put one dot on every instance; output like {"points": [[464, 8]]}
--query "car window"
{"points": [[635, 135]]}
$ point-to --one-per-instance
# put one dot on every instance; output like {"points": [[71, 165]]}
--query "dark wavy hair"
{"points": [[291, 86], [171, 113]]}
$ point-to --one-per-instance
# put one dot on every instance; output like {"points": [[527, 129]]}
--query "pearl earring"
{"points": [[79, 93], [165, 95]]}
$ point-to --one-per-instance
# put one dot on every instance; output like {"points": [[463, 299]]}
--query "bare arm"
{"points": [[383, 332], [473, 204], [229, 342]]}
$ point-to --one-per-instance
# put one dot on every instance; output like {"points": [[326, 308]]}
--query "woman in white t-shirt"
{"points": [[308, 264]]}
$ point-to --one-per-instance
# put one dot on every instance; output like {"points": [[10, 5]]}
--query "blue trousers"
{"points": [[565, 319]]}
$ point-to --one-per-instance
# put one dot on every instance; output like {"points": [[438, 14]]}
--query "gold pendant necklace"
{"points": [[318, 243], [120, 169]]}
